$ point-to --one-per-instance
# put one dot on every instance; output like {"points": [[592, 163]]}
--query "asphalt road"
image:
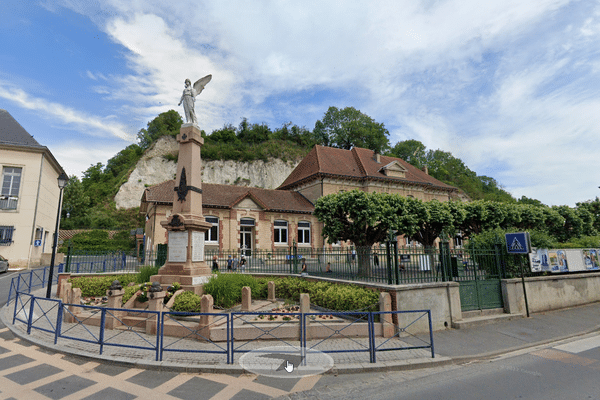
{"points": [[563, 370], [5, 279]]}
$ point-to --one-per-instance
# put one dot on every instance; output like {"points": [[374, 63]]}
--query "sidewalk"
{"points": [[451, 346]]}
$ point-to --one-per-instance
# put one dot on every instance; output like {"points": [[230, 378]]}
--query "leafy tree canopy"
{"points": [[348, 127], [167, 123]]}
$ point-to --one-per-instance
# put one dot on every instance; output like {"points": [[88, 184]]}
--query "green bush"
{"points": [[98, 285], [226, 289], [145, 273], [187, 302], [98, 240], [129, 292]]}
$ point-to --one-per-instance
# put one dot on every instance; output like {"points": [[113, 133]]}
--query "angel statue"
{"points": [[189, 96]]}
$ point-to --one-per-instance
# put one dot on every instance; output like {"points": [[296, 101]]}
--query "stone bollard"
{"points": [[63, 277], [271, 290], [156, 296], [387, 325], [246, 298], [115, 300], [206, 306], [65, 293], [66, 299], [305, 308], [74, 300]]}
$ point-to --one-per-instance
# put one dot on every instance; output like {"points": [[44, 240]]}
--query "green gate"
{"points": [[479, 273]]}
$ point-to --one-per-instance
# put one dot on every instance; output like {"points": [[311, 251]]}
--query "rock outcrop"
{"points": [[157, 166]]}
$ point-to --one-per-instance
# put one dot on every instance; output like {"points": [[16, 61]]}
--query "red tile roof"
{"points": [[227, 196], [356, 164]]}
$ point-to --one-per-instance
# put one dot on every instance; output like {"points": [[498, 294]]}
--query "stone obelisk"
{"points": [[186, 226]]}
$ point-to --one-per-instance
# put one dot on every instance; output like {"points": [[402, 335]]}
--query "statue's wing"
{"points": [[200, 83]]}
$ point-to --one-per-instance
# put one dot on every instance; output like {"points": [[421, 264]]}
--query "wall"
{"points": [[553, 292], [31, 207]]}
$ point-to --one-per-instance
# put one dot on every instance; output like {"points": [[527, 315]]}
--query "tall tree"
{"points": [[412, 151], [348, 127], [167, 123], [363, 218]]}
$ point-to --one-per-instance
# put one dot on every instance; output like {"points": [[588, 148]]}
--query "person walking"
{"points": [[215, 264], [243, 264], [229, 263]]}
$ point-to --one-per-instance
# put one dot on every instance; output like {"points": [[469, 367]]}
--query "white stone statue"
{"points": [[189, 97]]}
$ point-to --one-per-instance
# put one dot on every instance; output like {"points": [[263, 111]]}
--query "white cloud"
{"points": [[76, 157], [75, 119]]}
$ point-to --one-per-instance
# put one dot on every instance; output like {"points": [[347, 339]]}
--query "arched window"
{"points": [[280, 232], [212, 235], [303, 232]]}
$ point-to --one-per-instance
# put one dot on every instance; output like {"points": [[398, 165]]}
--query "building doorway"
{"points": [[246, 236]]}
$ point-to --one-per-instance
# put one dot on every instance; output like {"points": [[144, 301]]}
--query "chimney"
{"points": [[425, 169], [377, 157]]}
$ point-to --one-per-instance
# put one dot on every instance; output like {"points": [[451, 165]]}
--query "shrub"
{"points": [[98, 285], [129, 292], [145, 273], [187, 302], [226, 289]]}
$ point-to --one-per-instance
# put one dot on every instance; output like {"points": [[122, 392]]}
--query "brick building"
{"points": [[254, 218]]}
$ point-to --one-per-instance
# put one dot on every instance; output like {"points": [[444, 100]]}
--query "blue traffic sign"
{"points": [[517, 243]]}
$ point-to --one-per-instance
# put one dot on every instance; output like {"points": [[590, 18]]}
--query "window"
{"points": [[304, 232], [11, 182], [212, 235], [6, 233], [246, 222], [280, 232]]}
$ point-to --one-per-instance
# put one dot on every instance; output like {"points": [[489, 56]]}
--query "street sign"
{"points": [[517, 243]]}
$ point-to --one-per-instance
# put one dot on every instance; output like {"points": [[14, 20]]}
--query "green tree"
{"points": [[167, 123], [75, 203], [593, 207], [348, 127], [433, 219], [363, 218], [412, 151]]}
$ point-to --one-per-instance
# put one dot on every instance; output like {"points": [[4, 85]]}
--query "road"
{"points": [[564, 370]]}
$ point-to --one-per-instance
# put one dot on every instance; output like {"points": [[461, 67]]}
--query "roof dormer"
{"points": [[394, 170]]}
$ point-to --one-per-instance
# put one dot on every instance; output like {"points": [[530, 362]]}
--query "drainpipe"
{"points": [[37, 199]]}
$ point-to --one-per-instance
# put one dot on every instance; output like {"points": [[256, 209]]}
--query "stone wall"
{"points": [[553, 292]]}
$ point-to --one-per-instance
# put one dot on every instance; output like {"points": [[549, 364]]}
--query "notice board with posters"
{"points": [[564, 260]]}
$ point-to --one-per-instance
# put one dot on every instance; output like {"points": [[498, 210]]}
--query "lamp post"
{"points": [[62, 182]]}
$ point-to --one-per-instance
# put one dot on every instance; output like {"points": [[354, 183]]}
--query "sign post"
{"points": [[518, 243]]}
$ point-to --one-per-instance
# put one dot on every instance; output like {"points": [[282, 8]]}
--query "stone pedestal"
{"points": [[115, 300], [186, 226]]}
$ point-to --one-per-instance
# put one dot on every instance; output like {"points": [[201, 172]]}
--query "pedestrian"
{"points": [[243, 264], [229, 263], [215, 264], [376, 260], [235, 264], [303, 266], [328, 268], [353, 254]]}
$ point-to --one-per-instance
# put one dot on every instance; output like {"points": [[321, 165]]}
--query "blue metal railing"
{"points": [[61, 320]]}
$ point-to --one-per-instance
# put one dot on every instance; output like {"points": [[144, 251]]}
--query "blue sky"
{"points": [[510, 87]]}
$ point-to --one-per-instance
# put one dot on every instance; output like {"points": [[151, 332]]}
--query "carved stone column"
{"points": [[186, 225]]}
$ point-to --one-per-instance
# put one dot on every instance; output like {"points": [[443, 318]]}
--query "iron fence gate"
{"points": [[479, 273]]}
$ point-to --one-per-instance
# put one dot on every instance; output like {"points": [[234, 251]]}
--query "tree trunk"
{"points": [[364, 261]]}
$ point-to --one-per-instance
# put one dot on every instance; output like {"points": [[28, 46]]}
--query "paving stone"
{"points": [[14, 361], [197, 389], [64, 387], [112, 394], [75, 360], [278, 383], [33, 374], [3, 350], [245, 394], [111, 369], [151, 379]]}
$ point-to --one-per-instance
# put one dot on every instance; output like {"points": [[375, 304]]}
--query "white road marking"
{"points": [[580, 346]]}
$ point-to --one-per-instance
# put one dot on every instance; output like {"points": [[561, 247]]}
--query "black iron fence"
{"points": [[387, 263]]}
